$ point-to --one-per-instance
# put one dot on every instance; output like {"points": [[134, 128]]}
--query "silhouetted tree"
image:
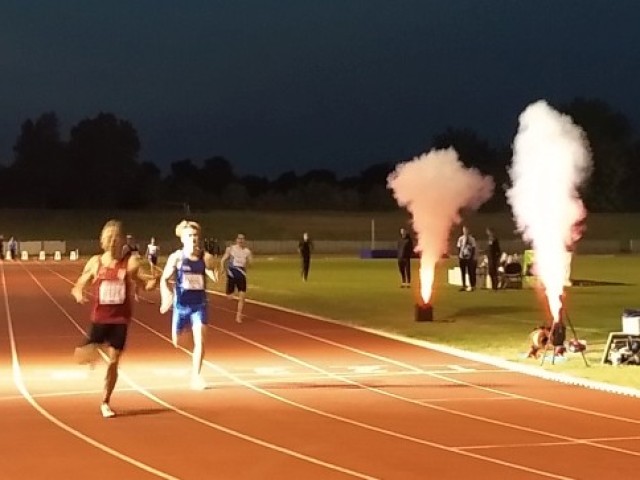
{"points": [[285, 182], [610, 137], [319, 176], [182, 185], [256, 186], [216, 175], [476, 152], [104, 152], [40, 172]]}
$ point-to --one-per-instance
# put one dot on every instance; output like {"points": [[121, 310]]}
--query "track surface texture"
{"points": [[289, 397]]}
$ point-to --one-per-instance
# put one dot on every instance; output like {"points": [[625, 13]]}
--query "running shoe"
{"points": [[106, 411]]}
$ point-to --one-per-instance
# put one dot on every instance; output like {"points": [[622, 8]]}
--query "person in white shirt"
{"points": [[152, 255], [467, 259], [234, 262]]}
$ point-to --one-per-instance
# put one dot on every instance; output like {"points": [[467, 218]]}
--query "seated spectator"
{"points": [[511, 273], [482, 270], [513, 266]]}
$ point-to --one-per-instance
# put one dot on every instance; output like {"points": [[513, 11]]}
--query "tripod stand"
{"points": [[562, 316]]}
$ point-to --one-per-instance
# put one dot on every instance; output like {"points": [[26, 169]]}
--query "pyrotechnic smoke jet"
{"points": [[551, 159], [434, 187]]}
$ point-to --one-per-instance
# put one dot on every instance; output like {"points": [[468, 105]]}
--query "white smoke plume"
{"points": [[434, 187], [551, 159]]}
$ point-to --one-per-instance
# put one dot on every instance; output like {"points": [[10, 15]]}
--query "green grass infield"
{"points": [[367, 293]]}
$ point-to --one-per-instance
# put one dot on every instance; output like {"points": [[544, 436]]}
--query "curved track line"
{"points": [[200, 420], [418, 370], [372, 427], [456, 352], [348, 420], [19, 382], [421, 403]]}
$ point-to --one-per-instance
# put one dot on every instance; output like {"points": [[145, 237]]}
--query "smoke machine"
{"points": [[424, 312]]}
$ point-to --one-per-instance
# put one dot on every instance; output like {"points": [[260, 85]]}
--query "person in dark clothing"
{"points": [[130, 247], [305, 247], [405, 252], [212, 246], [493, 256], [216, 250]]}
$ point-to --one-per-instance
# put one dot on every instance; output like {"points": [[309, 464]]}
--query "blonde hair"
{"points": [[187, 224], [111, 233]]}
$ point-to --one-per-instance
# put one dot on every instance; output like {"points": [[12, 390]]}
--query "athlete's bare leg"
{"points": [[241, 296], [110, 380], [199, 334]]}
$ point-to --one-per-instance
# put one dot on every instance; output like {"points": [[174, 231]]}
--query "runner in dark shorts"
{"points": [[113, 278]]}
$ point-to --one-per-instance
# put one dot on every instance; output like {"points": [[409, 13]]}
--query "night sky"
{"points": [[277, 85]]}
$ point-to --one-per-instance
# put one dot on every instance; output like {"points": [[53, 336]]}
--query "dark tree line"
{"points": [[98, 167]]}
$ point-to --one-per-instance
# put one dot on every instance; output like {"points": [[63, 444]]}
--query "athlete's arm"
{"points": [[225, 257], [210, 267], [166, 295], [88, 273], [141, 282]]}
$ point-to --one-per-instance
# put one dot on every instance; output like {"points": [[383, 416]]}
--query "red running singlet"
{"points": [[112, 287]]}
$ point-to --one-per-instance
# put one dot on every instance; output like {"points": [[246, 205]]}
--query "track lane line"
{"points": [[348, 420], [195, 418], [20, 385]]}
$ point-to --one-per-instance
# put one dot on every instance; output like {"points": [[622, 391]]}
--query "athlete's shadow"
{"points": [[142, 411], [583, 282], [484, 310]]}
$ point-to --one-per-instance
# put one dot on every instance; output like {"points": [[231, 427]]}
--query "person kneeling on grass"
{"points": [[189, 265], [114, 278]]}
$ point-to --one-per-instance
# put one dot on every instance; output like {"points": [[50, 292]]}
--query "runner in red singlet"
{"points": [[114, 279]]}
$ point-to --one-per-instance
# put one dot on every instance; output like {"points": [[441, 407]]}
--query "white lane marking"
{"points": [[19, 382], [461, 369], [409, 400], [271, 371], [170, 372], [367, 426], [529, 370], [446, 377], [367, 369], [69, 375], [195, 418], [545, 444]]}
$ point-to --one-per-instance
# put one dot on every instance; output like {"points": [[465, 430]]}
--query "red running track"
{"points": [[291, 397]]}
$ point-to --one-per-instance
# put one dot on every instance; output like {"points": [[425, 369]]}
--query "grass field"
{"points": [[366, 292]]}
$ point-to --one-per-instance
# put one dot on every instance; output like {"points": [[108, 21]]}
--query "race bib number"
{"points": [[112, 292], [192, 281]]}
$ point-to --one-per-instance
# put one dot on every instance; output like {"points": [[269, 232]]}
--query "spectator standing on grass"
{"points": [[114, 278], [493, 257], [305, 247], [405, 252], [467, 259], [12, 246], [234, 262]]}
